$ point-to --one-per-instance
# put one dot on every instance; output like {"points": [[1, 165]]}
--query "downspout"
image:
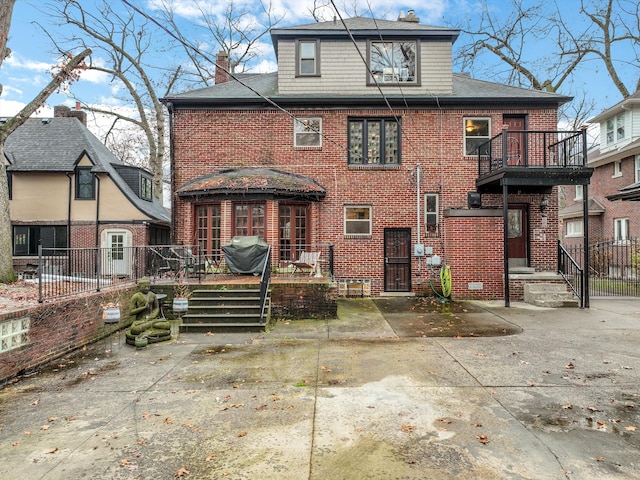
{"points": [[173, 175], [418, 180], [69, 202], [97, 239]]}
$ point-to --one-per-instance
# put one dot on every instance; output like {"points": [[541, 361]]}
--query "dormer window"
{"points": [[146, 188], [85, 184], [308, 58], [616, 128], [393, 62]]}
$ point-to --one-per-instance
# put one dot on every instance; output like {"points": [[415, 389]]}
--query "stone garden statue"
{"points": [[146, 326]]}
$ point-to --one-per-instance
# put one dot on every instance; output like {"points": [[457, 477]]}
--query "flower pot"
{"points": [[111, 314], [180, 305]]}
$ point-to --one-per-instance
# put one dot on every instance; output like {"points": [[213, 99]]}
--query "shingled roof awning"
{"points": [[253, 182]]}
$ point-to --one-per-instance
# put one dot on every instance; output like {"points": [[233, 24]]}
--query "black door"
{"points": [[397, 260]]}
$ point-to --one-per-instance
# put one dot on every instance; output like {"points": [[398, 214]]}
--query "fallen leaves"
{"points": [[182, 472], [483, 439], [408, 428]]}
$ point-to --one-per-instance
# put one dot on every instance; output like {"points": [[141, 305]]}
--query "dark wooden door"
{"points": [[518, 236], [397, 260], [516, 144]]}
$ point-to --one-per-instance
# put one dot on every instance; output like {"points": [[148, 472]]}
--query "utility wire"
{"points": [[226, 70]]}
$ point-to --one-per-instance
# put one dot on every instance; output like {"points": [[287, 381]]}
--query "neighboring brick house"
{"points": [[67, 189], [377, 158], [616, 176]]}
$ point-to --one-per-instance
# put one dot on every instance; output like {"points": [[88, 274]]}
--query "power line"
{"points": [[226, 70]]}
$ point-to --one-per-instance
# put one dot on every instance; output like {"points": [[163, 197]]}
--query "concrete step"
{"points": [[552, 295], [226, 327]]}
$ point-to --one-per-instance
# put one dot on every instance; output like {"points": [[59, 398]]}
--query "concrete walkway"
{"points": [[350, 398]]}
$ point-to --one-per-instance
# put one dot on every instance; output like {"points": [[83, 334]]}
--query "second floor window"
{"points": [[477, 131], [374, 141], [637, 169], [146, 188], [85, 183], [307, 132], [579, 192], [394, 62]]}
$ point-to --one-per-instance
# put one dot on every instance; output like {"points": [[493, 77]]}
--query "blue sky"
{"points": [[27, 71]]}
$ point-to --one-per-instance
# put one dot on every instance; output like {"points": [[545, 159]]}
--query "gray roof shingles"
{"points": [[56, 145], [464, 88]]}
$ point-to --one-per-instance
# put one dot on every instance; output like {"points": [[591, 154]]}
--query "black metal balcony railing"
{"points": [[532, 149], [63, 272]]}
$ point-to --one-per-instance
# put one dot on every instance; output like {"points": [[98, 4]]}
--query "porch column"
{"points": [[505, 228]]}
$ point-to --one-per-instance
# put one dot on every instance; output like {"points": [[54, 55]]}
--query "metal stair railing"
{"points": [[572, 273]]}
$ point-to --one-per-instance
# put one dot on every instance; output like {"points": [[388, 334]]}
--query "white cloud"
{"points": [[10, 108], [16, 61], [94, 76]]}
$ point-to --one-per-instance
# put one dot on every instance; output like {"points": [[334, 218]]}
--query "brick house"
{"points": [[616, 176], [67, 189], [366, 140]]}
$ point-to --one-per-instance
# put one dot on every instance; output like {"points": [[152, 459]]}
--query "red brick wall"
{"points": [[207, 140], [60, 327]]}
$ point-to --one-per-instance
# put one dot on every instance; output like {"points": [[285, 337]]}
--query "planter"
{"points": [[180, 305], [111, 314]]}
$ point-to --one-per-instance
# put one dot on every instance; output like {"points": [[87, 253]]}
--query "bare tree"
{"points": [[68, 70], [126, 43], [594, 32], [235, 31], [614, 26]]}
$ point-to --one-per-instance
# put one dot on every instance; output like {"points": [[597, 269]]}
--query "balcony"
{"points": [[532, 161]]}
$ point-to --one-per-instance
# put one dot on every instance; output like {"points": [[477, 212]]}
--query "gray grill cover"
{"points": [[246, 254]]}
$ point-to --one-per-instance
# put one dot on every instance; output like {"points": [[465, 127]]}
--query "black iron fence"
{"points": [[532, 149], [614, 267], [62, 272]]}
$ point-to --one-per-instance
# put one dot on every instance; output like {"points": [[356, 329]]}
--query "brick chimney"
{"points": [[222, 62], [411, 17], [64, 111]]}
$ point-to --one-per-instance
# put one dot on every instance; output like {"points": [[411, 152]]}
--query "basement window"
{"points": [[14, 333]]}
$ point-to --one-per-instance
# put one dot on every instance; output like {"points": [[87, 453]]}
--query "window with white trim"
{"points": [[307, 132], [636, 169], [14, 333], [477, 131], [357, 220], [616, 128], [431, 212], [575, 228], [617, 168], [621, 229], [579, 192]]}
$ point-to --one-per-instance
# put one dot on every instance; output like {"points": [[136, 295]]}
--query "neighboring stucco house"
{"points": [[68, 190], [366, 140], [616, 176]]}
